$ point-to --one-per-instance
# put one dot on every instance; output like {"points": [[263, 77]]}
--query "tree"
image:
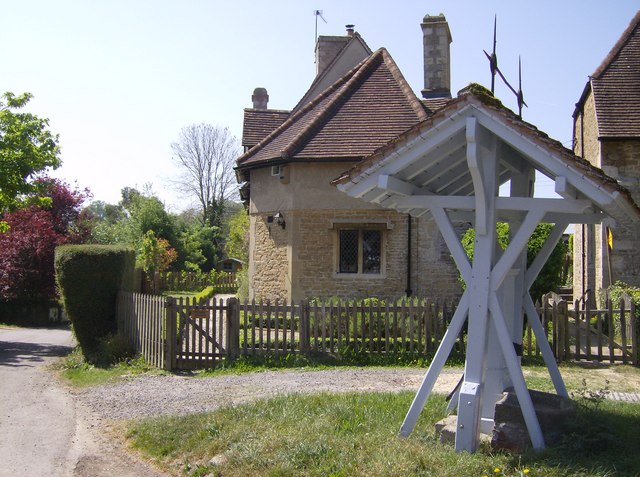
{"points": [[27, 247], [131, 219], [27, 148], [237, 245], [155, 255], [206, 156], [550, 277]]}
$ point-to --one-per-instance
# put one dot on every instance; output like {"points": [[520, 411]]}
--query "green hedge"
{"points": [[88, 278]]}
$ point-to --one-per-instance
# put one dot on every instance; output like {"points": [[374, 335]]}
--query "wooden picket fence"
{"points": [[585, 332], [142, 319], [183, 334], [188, 281]]}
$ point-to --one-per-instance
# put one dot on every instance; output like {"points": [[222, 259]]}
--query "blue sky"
{"points": [[118, 79]]}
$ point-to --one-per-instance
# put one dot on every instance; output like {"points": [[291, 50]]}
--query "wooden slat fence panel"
{"points": [[179, 333], [141, 318]]}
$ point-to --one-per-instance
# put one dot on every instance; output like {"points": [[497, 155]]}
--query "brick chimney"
{"points": [[328, 47], [260, 98], [436, 38]]}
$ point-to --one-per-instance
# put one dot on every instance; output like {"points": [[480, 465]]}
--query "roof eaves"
{"points": [[470, 95]]}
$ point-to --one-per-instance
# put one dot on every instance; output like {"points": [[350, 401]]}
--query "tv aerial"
{"points": [[318, 13], [493, 65]]}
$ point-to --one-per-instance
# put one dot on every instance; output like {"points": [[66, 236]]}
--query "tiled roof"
{"points": [[366, 108], [616, 86], [433, 104], [259, 123], [478, 95]]}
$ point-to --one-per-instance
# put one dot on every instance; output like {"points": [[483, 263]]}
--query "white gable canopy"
{"points": [[451, 166]]}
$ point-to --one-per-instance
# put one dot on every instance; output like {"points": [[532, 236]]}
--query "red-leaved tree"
{"points": [[27, 247]]}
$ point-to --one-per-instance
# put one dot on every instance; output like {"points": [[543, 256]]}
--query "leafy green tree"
{"points": [[237, 244], [27, 148], [550, 276], [155, 254], [131, 219]]}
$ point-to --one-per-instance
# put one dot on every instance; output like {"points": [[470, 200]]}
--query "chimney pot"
{"points": [[260, 98], [350, 29]]}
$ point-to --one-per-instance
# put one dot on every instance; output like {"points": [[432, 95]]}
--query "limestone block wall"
{"points": [[301, 260], [619, 158], [269, 268], [309, 268], [586, 239]]}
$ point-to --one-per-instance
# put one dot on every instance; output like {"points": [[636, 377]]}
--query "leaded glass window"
{"points": [[371, 251], [360, 251], [349, 251]]}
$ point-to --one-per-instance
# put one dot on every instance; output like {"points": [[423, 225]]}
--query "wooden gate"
{"points": [[198, 334]]}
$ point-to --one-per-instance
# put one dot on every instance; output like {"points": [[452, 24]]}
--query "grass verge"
{"points": [[80, 373], [356, 435]]}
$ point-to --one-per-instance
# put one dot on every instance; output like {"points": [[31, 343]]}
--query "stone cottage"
{"points": [[308, 239], [606, 128]]}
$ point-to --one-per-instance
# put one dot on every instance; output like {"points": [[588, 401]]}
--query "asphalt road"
{"points": [[37, 417], [44, 431]]}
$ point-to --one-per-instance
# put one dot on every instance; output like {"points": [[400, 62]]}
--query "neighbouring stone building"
{"points": [[607, 134], [308, 239]]}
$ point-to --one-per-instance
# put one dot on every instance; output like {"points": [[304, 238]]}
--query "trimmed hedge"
{"points": [[88, 278]]}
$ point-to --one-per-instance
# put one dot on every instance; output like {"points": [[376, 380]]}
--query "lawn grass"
{"points": [[356, 435]]}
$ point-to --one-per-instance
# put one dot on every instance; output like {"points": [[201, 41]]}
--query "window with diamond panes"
{"points": [[349, 251], [371, 251]]}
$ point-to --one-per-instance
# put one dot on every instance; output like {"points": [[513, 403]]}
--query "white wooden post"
{"points": [[484, 176]]}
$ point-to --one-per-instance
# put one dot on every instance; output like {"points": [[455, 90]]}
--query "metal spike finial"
{"points": [[493, 65]]}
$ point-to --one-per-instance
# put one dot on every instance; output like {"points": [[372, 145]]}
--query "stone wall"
{"points": [[621, 160], [269, 270], [301, 260], [309, 267], [586, 239]]}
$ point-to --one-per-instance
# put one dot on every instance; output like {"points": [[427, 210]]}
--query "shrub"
{"points": [[88, 278], [550, 276]]}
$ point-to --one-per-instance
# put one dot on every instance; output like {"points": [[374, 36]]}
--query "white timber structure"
{"points": [[451, 167]]}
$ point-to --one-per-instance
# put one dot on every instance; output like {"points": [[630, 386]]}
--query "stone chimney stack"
{"points": [[260, 98], [328, 47], [436, 38]]}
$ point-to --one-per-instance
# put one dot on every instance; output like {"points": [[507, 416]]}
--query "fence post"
{"points": [[305, 334], [233, 328], [634, 331], [170, 334]]}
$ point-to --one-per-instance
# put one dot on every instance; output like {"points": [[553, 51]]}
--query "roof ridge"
{"points": [[359, 72], [268, 110], [296, 114], [615, 51], [414, 102]]}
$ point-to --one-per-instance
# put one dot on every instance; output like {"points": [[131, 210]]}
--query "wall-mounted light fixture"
{"points": [[279, 219]]}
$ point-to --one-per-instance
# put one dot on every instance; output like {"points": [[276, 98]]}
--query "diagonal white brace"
{"points": [[436, 365], [515, 372], [543, 344], [453, 242]]}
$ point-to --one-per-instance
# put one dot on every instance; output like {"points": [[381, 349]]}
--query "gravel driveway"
{"points": [[163, 395]]}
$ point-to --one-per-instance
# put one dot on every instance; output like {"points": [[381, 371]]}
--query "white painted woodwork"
{"points": [[452, 171]]}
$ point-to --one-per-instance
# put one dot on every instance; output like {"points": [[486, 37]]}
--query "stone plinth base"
{"points": [[510, 431]]}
